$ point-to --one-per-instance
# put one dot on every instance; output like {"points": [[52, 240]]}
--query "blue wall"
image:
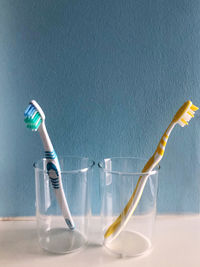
{"points": [[109, 75]]}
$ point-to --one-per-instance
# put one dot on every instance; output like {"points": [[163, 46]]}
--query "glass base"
{"points": [[129, 244], [62, 241]]}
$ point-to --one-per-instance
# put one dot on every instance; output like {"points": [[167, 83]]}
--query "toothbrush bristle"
{"points": [[27, 110], [188, 114], [191, 114], [184, 121], [194, 108], [32, 118]]}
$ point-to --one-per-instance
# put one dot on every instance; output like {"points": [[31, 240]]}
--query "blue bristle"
{"points": [[29, 111]]}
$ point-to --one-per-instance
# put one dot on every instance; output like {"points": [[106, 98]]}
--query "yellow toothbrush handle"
{"points": [[151, 163], [113, 227]]}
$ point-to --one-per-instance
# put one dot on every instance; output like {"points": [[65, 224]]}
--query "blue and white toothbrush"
{"points": [[35, 120]]}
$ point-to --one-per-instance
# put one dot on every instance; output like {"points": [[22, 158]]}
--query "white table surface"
{"points": [[177, 243]]}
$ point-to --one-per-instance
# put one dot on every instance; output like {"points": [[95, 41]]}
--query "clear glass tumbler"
{"points": [[118, 179], [53, 232]]}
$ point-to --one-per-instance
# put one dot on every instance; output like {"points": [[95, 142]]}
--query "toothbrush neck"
{"points": [[160, 150], [158, 154], [170, 128], [45, 138]]}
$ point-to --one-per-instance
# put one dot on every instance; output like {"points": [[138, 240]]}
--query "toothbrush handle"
{"points": [[53, 169], [115, 228]]}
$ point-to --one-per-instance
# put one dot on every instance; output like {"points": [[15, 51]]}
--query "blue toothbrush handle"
{"points": [[53, 170]]}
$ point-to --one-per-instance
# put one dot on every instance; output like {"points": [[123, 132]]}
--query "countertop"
{"points": [[176, 243]]}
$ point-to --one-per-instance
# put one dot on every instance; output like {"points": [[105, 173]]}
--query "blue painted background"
{"points": [[109, 75]]}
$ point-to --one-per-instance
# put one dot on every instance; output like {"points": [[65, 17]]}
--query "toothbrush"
{"points": [[35, 120], [183, 115]]}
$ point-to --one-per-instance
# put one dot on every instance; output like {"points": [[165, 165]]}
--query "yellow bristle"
{"points": [[190, 113], [194, 108], [184, 121]]}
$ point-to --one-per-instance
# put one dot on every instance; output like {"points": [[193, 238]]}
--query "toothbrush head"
{"points": [[34, 116], [185, 113]]}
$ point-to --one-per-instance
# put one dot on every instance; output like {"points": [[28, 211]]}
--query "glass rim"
{"points": [[153, 172], [91, 164]]}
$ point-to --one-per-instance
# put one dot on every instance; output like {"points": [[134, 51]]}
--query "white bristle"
{"points": [[187, 117], [37, 121], [34, 114], [181, 123], [191, 111]]}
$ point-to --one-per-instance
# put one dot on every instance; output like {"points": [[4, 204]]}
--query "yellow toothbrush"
{"points": [[183, 115]]}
